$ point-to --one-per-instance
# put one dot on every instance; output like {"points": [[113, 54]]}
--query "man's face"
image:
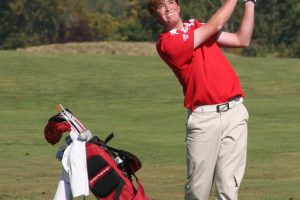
{"points": [[168, 14]]}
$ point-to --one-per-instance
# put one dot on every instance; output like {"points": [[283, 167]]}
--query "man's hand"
{"points": [[54, 130]]}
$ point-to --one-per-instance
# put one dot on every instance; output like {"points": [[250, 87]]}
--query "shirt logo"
{"points": [[184, 31], [174, 32], [185, 37]]}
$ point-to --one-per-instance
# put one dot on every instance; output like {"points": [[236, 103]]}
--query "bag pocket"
{"points": [[103, 179]]}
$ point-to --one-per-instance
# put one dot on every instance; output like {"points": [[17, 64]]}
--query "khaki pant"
{"points": [[216, 150]]}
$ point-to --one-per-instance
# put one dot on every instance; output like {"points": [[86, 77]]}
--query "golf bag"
{"points": [[110, 172]]}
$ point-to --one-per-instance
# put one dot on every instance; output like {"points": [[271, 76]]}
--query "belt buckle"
{"points": [[222, 107]]}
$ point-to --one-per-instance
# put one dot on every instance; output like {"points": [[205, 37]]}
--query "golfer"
{"points": [[216, 136]]}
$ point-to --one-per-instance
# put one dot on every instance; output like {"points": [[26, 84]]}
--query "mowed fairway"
{"points": [[139, 99]]}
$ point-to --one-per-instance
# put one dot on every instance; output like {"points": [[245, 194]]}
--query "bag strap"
{"points": [[121, 153], [103, 144]]}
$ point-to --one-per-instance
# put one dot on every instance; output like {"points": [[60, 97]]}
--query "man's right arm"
{"points": [[215, 23], [242, 37]]}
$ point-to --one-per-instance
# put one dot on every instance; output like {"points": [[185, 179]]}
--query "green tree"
{"points": [[103, 26], [25, 22], [73, 21], [277, 29], [35, 22]]}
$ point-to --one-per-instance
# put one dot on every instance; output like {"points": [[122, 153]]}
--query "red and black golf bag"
{"points": [[110, 172]]}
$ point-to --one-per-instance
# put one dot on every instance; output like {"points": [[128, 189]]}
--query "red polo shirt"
{"points": [[204, 73]]}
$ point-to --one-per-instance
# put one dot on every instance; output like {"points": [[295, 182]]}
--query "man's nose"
{"points": [[167, 7]]}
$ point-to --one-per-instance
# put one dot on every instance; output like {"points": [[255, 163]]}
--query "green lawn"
{"points": [[139, 99]]}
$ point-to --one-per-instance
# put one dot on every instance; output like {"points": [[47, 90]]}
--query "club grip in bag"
{"points": [[108, 138]]}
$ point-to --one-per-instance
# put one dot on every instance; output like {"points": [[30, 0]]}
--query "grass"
{"points": [[139, 99]]}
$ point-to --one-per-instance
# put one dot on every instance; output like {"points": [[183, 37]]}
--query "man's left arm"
{"points": [[242, 37]]}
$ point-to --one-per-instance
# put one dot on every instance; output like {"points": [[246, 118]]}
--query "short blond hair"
{"points": [[152, 5]]}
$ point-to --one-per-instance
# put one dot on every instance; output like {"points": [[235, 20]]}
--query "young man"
{"points": [[216, 136]]}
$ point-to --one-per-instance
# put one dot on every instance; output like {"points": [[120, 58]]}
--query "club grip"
{"points": [[108, 138]]}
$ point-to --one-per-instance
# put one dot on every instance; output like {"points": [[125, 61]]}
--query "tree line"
{"points": [[35, 22]]}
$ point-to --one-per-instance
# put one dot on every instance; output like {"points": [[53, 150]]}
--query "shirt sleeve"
{"points": [[212, 39], [177, 48]]}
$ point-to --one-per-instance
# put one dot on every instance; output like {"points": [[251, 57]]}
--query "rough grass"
{"points": [[139, 99], [99, 48]]}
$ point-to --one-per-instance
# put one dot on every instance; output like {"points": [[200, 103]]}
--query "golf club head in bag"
{"points": [[71, 119], [55, 127]]}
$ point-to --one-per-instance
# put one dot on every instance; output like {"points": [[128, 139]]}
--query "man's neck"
{"points": [[177, 26]]}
